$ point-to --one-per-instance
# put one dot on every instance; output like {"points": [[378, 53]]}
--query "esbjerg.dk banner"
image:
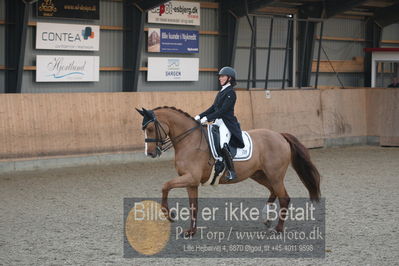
{"points": [[56, 36], [172, 69], [173, 41], [58, 68], [176, 12]]}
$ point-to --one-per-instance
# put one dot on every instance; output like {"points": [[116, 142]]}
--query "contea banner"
{"points": [[173, 41], [58, 68], [172, 69], [56, 36], [176, 12]]}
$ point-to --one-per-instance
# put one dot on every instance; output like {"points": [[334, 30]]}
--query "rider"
{"points": [[222, 112]]}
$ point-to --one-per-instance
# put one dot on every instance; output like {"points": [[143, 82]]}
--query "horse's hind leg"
{"points": [[261, 178], [284, 200]]}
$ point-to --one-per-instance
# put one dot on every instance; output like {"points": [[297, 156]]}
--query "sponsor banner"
{"points": [[55, 36], [173, 41], [81, 9], [172, 69], [176, 12], [58, 68]]}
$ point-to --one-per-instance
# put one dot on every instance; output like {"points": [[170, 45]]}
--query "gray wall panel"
{"points": [[275, 68], [244, 33], [2, 45], [279, 37], [208, 51], [276, 64], [2, 9], [111, 13], [241, 63], [391, 32], [209, 19], [111, 48], [339, 50], [2, 81], [348, 79], [343, 27]]}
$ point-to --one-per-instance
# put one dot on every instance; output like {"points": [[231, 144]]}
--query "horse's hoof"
{"points": [[169, 215], [268, 224], [278, 229], [173, 214]]}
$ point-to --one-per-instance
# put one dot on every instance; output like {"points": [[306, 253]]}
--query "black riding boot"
{"points": [[231, 174]]}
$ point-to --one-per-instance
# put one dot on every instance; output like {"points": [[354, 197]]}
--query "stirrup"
{"points": [[231, 175]]}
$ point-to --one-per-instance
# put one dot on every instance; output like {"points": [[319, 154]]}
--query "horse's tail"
{"points": [[304, 167]]}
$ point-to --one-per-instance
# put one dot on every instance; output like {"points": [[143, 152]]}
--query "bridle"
{"points": [[165, 143]]}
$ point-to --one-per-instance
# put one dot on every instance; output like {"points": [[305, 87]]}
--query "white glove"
{"points": [[197, 117], [204, 120]]}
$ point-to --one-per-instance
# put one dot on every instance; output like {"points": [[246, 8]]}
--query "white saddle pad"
{"points": [[243, 154]]}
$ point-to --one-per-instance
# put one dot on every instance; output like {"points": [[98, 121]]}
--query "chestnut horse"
{"points": [[273, 152]]}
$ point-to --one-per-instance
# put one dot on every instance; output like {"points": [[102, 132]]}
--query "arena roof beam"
{"points": [[133, 23], [328, 9], [228, 32], [149, 4], [258, 4], [387, 15], [239, 7], [307, 41], [335, 7], [306, 44], [373, 38], [17, 15], [134, 12]]}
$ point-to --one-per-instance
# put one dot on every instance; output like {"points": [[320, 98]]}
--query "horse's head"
{"points": [[156, 134]]}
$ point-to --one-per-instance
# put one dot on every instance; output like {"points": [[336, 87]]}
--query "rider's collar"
{"points": [[225, 86]]}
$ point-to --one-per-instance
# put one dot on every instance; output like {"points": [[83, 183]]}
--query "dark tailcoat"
{"points": [[223, 108]]}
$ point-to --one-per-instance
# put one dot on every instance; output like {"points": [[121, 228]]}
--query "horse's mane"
{"points": [[175, 109]]}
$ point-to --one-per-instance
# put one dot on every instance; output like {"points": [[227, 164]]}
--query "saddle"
{"points": [[240, 154]]}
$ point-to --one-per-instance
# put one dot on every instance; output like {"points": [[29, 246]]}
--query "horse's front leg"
{"points": [[193, 200], [185, 180]]}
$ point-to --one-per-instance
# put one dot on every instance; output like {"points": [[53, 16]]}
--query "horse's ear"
{"points": [[140, 111], [146, 113]]}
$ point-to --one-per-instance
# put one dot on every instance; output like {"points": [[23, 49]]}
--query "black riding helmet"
{"points": [[229, 71]]}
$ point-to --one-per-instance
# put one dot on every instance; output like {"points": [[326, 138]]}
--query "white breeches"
{"points": [[225, 134]]}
